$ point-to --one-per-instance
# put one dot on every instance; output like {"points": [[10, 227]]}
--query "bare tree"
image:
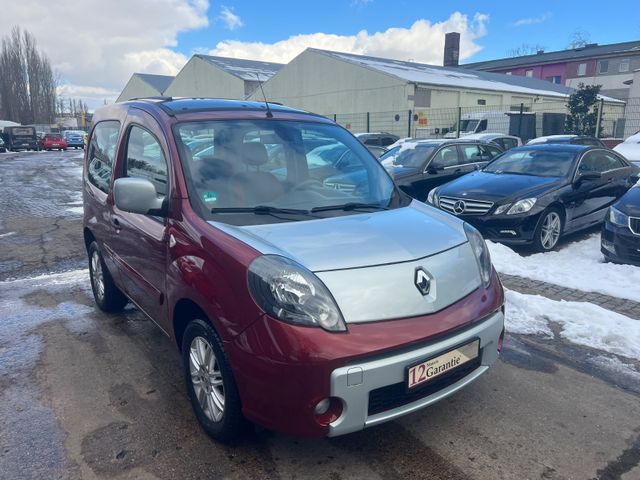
{"points": [[579, 39], [525, 49], [27, 84]]}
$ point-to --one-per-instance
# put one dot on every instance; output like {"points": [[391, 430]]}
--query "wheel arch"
{"points": [[88, 238], [184, 311]]}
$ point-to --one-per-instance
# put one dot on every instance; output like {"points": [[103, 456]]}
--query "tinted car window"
{"points": [[471, 154], [538, 163], [599, 161], [373, 141], [145, 159], [446, 157], [386, 141], [507, 143], [102, 151], [488, 152]]}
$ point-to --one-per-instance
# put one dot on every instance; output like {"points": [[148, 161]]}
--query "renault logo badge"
{"points": [[459, 207], [422, 281]]}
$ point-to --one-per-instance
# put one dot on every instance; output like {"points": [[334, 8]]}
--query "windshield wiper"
{"points": [[349, 206], [261, 210]]}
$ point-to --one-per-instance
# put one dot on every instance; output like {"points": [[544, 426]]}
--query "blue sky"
{"points": [[548, 23], [95, 59]]}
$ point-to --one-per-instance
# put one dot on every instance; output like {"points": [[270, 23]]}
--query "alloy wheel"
{"points": [[97, 276], [206, 378], [550, 232]]}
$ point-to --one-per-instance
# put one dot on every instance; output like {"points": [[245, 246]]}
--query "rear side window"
{"points": [[472, 154], [599, 161], [386, 141], [372, 141], [145, 159], [446, 157], [102, 152], [507, 143]]}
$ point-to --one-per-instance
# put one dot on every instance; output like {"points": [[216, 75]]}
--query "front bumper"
{"points": [[511, 229], [358, 384], [282, 371], [618, 244]]}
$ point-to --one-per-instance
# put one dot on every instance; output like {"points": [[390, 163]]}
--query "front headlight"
{"points": [[432, 197], [502, 208], [481, 252], [617, 217], [289, 292], [522, 206]]}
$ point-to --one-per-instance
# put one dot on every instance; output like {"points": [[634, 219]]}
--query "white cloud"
{"points": [[422, 42], [532, 20], [98, 44], [230, 19]]}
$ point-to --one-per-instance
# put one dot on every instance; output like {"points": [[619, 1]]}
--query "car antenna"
{"points": [[269, 113]]}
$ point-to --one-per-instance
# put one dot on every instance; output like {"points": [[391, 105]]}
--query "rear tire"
{"points": [[549, 230], [210, 383], [108, 297]]}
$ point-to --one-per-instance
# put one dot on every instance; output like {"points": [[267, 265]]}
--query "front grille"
{"points": [[634, 225], [394, 396], [469, 207]]}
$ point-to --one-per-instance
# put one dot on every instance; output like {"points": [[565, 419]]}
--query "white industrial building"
{"points": [[145, 85], [331, 82], [220, 77], [349, 86]]}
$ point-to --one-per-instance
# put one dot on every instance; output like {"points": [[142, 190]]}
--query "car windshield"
{"points": [[539, 163], [408, 154], [232, 167], [468, 125]]}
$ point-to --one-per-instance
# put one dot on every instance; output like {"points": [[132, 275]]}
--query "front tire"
{"points": [[210, 383], [108, 297], [548, 231]]}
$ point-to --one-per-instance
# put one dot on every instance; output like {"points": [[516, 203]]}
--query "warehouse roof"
{"points": [[453, 77], [588, 51], [244, 69], [158, 82]]}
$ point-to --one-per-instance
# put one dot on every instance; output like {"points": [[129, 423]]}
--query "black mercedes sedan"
{"points": [[620, 239], [536, 193]]}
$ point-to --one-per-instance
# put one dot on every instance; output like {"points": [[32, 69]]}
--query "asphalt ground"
{"points": [[88, 395]]}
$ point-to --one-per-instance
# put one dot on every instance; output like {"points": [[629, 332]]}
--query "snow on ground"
{"points": [[49, 279], [581, 323], [8, 234], [579, 265]]}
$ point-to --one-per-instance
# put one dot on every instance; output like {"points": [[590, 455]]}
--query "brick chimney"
{"points": [[451, 49]]}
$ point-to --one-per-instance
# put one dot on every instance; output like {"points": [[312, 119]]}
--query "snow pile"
{"points": [[49, 279], [579, 265], [581, 323]]}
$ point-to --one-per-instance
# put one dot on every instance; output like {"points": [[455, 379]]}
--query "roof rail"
{"points": [[158, 97]]}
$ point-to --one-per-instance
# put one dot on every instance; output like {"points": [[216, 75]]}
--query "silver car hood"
{"points": [[354, 241], [369, 261]]}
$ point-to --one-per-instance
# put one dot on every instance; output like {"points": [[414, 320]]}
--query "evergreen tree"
{"points": [[583, 110]]}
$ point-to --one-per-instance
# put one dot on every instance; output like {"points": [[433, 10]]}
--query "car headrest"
{"points": [[253, 153]]}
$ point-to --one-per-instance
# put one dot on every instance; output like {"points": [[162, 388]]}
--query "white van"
{"points": [[478, 122]]}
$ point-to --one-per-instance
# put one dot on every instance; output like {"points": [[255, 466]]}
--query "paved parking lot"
{"points": [[89, 395]]}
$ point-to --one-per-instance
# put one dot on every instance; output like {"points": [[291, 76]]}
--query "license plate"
{"points": [[434, 367]]}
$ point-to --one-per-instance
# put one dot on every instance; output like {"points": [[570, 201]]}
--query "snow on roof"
{"points": [[244, 69], [454, 77], [158, 82]]}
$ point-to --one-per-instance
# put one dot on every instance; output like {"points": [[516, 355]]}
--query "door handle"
{"points": [[116, 223]]}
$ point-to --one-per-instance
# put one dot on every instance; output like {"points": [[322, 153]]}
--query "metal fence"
{"points": [[614, 120]]}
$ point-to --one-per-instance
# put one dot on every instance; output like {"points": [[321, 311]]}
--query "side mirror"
{"points": [[589, 176], [434, 169], [137, 195]]}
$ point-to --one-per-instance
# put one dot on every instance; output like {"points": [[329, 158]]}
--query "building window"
{"points": [[528, 73], [555, 79], [624, 65], [603, 66], [482, 101], [582, 69]]}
